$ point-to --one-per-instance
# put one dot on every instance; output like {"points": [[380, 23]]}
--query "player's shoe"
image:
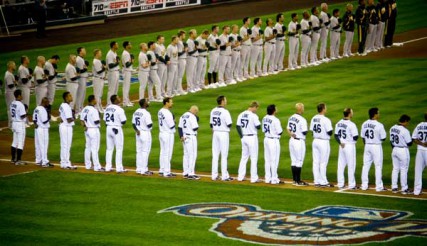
{"points": [[256, 181], [13, 161], [185, 176], [99, 169], [169, 176], [122, 171], [327, 186], [383, 189], [195, 177], [147, 173], [317, 185], [69, 167], [302, 183], [395, 190], [48, 165], [407, 192], [216, 179], [228, 179], [38, 163], [355, 188], [339, 57], [160, 173], [20, 163], [294, 183]]}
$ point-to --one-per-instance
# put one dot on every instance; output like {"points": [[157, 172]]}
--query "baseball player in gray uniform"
{"points": [[166, 137], [321, 127], [335, 36], [382, 19], [172, 65], [187, 129], [10, 86], [127, 61], [24, 82], [247, 126], [373, 134], [372, 29], [400, 139], [256, 49], [245, 53], [297, 130], [40, 77], [236, 66], [182, 62], [202, 50], [113, 63], [306, 31], [220, 122], [72, 78], [19, 116], [324, 31], [224, 74], [213, 57], [91, 122], [191, 68], [114, 118], [419, 137], [349, 21], [153, 77], [51, 66], [346, 135], [272, 131], [66, 130], [162, 68], [269, 48], [316, 23], [82, 69], [142, 124], [280, 42], [143, 69], [98, 70], [293, 33], [41, 119]]}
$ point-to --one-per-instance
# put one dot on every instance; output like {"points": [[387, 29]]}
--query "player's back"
{"points": [[220, 119]]}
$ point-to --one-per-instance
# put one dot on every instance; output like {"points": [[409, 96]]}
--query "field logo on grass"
{"points": [[323, 225]]}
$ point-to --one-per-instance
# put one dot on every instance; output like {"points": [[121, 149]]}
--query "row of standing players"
{"points": [[233, 57], [247, 125]]}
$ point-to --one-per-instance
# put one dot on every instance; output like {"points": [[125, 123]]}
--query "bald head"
{"points": [[41, 60], [299, 108], [194, 109]]}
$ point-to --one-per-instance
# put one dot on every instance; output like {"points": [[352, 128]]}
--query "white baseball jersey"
{"points": [[39, 75], [23, 73], [212, 41], [125, 59], [166, 121], [152, 59], [188, 123], [181, 49], [314, 21], [271, 126], [142, 120], [235, 48], [142, 60], [202, 46], [114, 115], [320, 126], [243, 34], [346, 131], [98, 67], [255, 33], [305, 26], [90, 116], [111, 59], [420, 133], [279, 28], [192, 47], [9, 79], [373, 132], [17, 110], [41, 117], [334, 23], [65, 113], [267, 33], [160, 50], [400, 136], [292, 27], [172, 52], [80, 63], [325, 18], [49, 67], [224, 41], [70, 72], [248, 122], [298, 125], [220, 119]]}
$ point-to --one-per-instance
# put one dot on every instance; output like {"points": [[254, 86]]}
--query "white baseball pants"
{"points": [[245, 56], [373, 153], [220, 145], [249, 149], [113, 84], [420, 164], [313, 47], [93, 139], [98, 88], [293, 52], [346, 157], [81, 94], [323, 42], [41, 91], [201, 71], [190, 155], [114, 141], [66, 136], [191, 72], [348, 42], [256, 60], [224, 68], [19, 131], [154, 81], [166, 150], [269, 57], [297, 151], [305, 49], [126, 86], [271, 159], [162, 72], [172, 78], [335, 44], [400, 158], [279, 55], [143, 148], [41, 137], [321, 151]]}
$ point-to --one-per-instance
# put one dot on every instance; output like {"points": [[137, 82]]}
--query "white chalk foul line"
{"points": [[414, 40], [15, 174], [381, 195]]}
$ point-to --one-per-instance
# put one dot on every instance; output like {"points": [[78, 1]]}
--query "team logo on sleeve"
{"points": [[324, 225]]}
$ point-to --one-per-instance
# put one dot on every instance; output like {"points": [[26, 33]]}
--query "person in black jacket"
{"points": [[372, 29], [382, 17], [41, 16], [348, 26], [391, 23], [362, 26]]}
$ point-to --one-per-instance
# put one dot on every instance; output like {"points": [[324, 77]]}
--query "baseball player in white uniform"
{"points": [[400, 139], [143, 69], [256, 49], [19, 116], [293, 33], [324, 31], [247, 126], [224, 74], [214, 43], [187, 129], [98, 70], [269, 48], [142, 124], [321, 127], [72, 78], [272, 131], [373, 134], [297, 130], [66, 130], [25, 77], [306, 31], [346, 134], [236, 66], [114, 118], [113, 63], [166, 137], [153, 76], [335, 36], [280, 42], [91, 122], [316, 23], [82, 69], [41, 119], [182, 62], [172, 66], [202, 50], [51, 65], [220, 122], [246, 44], [10, 86], [419, 137], [191, 69], [127, 61], [40, 77], [162, 69]]}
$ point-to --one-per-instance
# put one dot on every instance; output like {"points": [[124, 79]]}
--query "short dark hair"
{"points": [[404, 118], [113, 98], [181, 32], [313, 9], [321, 107], [142, 102], [293, 15], [214, 26], [23, 58], [267, 21], [372, 112], [125, 44], [65, 94], [245, 19], [79, 49], [55, 57], [166, 100], [256, 20], [271, 109], [278, 16], [159, 37], [335, 11], [346, 112], [112, 43], [150, 43], [90, 98], [17, 93], [360, 1], [220, 99]]}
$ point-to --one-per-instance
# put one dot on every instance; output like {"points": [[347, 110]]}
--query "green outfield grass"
{"points": [[60, 208]]}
